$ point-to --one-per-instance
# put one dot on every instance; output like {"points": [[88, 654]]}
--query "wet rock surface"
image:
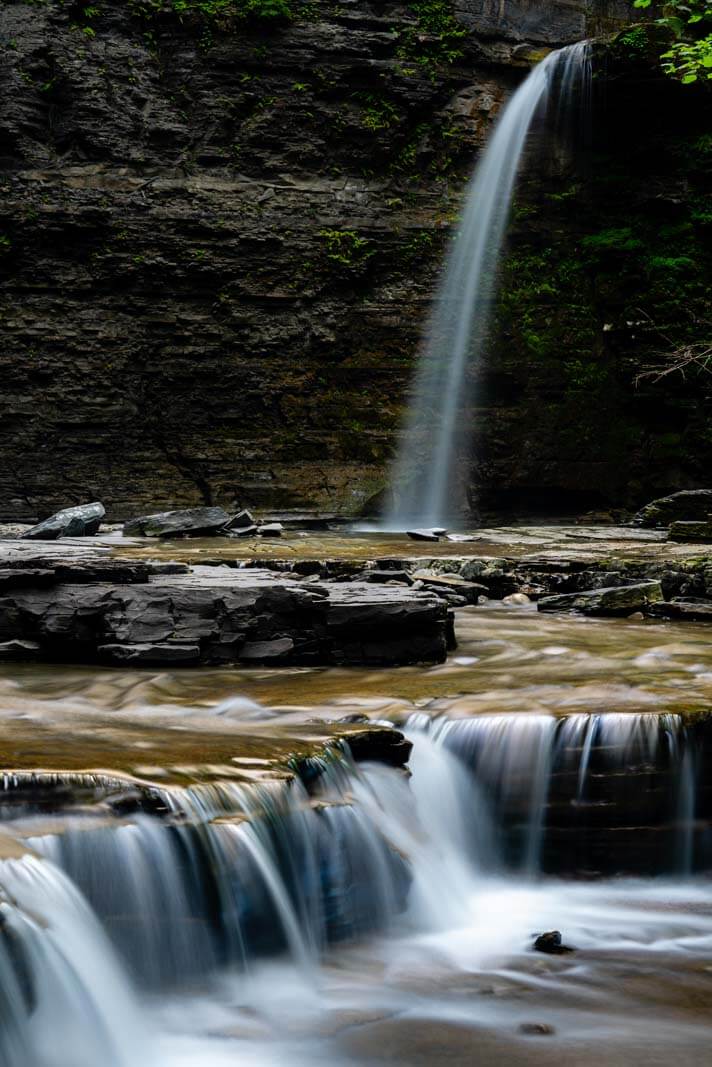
{"points": [[686, 506], [616, 600], [692, 532], [188, 522], [79, 521], [121, 612], [552, 944]]}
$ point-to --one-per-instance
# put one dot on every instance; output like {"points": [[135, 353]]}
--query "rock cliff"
{"points": [[220, 223]]}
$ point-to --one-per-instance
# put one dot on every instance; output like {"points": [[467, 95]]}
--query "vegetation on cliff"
{"points": [[689, 57]]}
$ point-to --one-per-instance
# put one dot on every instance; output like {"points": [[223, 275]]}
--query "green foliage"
{"points": [[689, 59], [5, 244], [674, 264], [216, 13], [634, 41], [620, 239], [436, 38], [585, 376], [346, 248], [378, 113]]}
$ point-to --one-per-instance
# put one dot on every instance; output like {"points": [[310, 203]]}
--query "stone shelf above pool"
{"points": [[78, 602]]}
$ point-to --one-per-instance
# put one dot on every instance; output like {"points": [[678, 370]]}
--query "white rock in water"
{"points": [[516, 598]]}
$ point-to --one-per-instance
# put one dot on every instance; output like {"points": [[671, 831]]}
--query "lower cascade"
{"points": [[233, 876]]}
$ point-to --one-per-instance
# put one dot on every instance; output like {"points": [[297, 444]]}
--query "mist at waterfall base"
{"points": [[428, 479], [262, 925]]}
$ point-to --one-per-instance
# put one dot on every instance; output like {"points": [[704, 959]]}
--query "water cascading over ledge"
{"points": [[230, 872], [589, 795], [427, 480]]}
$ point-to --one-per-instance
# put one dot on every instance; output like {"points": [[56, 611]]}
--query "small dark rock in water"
{"points": [[422, 535], [80, 521], [688, 505], [551, 944], [185, 522], [239, 521], [536, 1029]]}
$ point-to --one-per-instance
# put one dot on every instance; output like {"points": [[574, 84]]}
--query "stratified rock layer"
{"points": [[219, 240], [215, 615]]}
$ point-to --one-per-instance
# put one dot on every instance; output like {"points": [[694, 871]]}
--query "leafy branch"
{"points": [[689, 59]]}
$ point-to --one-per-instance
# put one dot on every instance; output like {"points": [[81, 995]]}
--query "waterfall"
{"points": [[425, 479], [234, 873], [601, 793], [63, 995], [230, 878]]}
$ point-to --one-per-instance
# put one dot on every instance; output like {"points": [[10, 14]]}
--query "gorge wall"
{"points": [[220, 226]]}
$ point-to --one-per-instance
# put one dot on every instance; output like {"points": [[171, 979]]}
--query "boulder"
{"points": [[699, 533], [240, 521], [618, 600], [687, 505], [80, 521], [551, 943], [516, 599], [186, 522], [423, 535]]}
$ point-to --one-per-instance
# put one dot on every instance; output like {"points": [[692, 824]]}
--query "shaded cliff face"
{"points": [[218, 238]]}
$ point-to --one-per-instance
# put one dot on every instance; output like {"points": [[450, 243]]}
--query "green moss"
{"points": [[620, 239], [434, 41]]}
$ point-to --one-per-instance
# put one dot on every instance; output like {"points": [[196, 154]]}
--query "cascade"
{"points": [[58, 976], [232, 874], [425, 479], [607, 792]]}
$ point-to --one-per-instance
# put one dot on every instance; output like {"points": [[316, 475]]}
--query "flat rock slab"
{"points": [[93, 610], [618, 600], [692, 532], [686, 610]]}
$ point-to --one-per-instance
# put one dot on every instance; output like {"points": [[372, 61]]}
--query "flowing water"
{"points": [[229, 912], [426, 482]]}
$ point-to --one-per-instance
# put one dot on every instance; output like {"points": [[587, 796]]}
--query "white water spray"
{"points": [[425, 476]]}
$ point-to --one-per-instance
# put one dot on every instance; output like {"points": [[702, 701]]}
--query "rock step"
{"points": [[223, 615]]}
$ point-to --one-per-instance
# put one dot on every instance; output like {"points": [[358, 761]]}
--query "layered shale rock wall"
{"points": [[219, 233]]}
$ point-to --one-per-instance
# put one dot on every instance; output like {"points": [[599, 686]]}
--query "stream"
{"points": [[374, 917]]}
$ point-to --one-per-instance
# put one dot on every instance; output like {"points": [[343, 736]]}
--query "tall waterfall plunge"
{"points": [[427, 486]]}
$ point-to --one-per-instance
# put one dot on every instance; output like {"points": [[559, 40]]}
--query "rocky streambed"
{"points": [[344, 849]]}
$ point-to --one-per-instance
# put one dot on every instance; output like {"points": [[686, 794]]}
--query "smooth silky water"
{"points": [[380, 919], [428, 480]]}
